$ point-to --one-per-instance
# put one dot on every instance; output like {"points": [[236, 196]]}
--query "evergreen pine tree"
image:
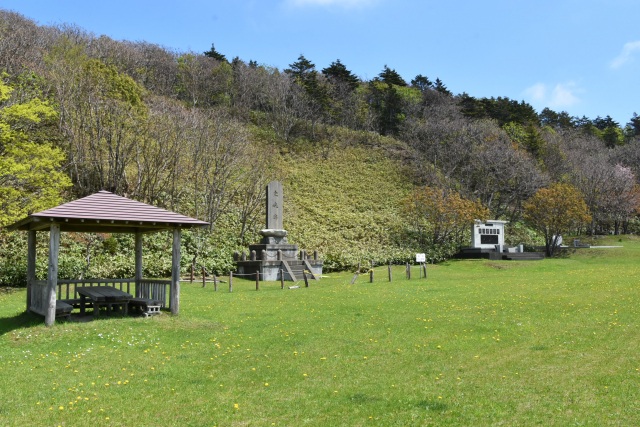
{"points": [[337, 72], [213, 53]]}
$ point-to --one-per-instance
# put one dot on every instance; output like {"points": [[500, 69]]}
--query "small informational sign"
{"points": [[421, 258]]}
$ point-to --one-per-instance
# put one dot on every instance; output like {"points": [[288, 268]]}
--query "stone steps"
{"points": [[297, 267]]}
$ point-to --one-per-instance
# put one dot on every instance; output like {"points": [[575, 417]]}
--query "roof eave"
{"points": [[89, 225]]}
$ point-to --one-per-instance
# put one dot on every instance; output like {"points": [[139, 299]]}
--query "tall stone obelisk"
{"points": [[275, 232]]}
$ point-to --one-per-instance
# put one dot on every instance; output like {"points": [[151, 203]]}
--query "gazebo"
{"points": [[101, 212]]}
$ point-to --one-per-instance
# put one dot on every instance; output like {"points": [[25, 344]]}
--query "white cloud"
{"points": [[628, 51], [564, 95], [347, 4], [560, 96], [537, 93]]}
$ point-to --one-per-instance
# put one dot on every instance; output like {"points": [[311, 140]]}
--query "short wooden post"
{"points": [[192, 276], [306, 280], [371, 275], [204, 277], [257, 280], [408, 271], [389, 270], [215, 283], [231, 281], [281, 279], [424, 269]]}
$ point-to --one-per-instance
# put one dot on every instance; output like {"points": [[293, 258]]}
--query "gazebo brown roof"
{"points": [[107, 213], [102, 212]]}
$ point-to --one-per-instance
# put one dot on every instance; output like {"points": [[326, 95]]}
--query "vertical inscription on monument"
{"points": [[274, 205]]}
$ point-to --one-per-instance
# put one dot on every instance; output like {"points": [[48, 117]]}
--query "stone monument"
{"points": [[488, 241], [274, 257], [488, 234]]}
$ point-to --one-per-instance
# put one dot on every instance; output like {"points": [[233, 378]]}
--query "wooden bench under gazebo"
{"points": [[102, 212]]}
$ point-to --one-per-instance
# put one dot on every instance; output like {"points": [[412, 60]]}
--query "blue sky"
{"points": [[579, 56]]}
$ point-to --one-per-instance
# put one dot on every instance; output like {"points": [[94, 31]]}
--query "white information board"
{"points": [[421, 258]]}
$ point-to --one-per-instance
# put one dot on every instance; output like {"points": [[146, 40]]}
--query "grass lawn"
{"points": [[552, 343]]}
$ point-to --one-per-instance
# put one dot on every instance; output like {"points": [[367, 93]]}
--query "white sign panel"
{"points": [[421, 258]]}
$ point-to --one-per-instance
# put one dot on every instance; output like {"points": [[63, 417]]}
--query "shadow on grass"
{"points": [[22, 320], [361, 398], [431, 405], [27, 320], [564, 253]]}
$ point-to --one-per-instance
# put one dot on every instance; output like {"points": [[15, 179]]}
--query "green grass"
{"points": [[551, 343]]}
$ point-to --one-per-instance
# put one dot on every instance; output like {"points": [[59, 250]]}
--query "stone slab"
{"points": [[275, 202]]}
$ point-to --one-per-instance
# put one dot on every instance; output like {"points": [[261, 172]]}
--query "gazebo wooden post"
{"points": [[175, 272], [31, 264], [138, 255], [52, 276]]}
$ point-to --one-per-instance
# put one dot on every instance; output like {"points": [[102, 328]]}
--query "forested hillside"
{"points": [[373, 169]]}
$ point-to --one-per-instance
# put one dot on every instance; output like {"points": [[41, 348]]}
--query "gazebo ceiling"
{"points": [[105, 212]]}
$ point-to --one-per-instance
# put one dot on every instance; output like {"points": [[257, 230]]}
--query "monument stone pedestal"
{"points": [[274, 258]]}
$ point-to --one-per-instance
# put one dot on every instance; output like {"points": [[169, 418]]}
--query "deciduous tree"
{"points": [[556, 210], [102, 117], [30, 170], [442, 217]]}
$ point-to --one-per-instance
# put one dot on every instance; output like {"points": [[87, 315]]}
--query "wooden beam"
{"points": [[108, 228], [175, 272], [39, 226], [31, 263], [52, 276]]}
